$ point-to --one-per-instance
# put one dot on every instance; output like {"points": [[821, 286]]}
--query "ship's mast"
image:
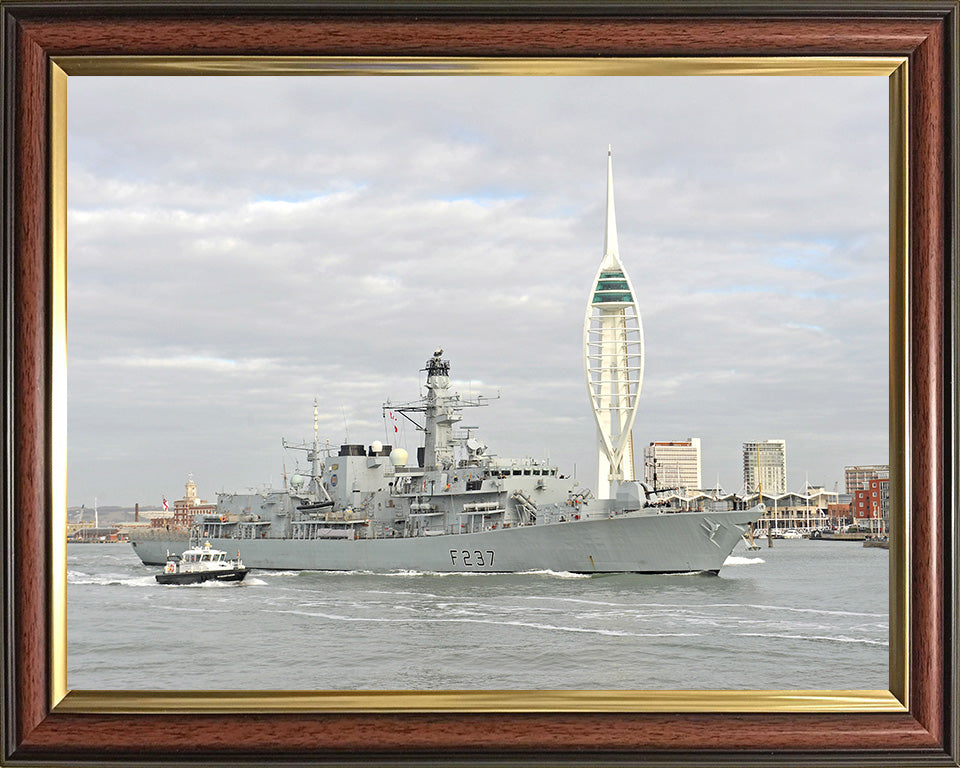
{"points": [[314, 458], [313, 454], [440, 414], [441, 410]]}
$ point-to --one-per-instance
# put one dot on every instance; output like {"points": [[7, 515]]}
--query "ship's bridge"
{"points": [[612, 288]]}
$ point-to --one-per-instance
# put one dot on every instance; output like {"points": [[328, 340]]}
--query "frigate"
{"points": [[457, 508]]}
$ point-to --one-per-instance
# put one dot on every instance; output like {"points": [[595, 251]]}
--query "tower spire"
{"points": [[611, 249], [613, 358]]}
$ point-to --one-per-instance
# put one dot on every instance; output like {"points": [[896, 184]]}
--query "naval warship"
{"points": [[456, 508]]}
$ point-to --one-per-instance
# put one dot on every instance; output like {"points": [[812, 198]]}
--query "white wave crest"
{"points": [[827, 638], [558, 574], [737, 560], [109, 579]]}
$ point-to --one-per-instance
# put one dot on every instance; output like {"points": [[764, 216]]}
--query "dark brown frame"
{"points": [[924, 32]]}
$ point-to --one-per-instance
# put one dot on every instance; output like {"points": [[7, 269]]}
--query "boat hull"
{"points": [[640, 542], [198, 577]]}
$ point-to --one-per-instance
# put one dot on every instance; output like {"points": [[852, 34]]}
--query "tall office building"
{"points": [[859, 476], [765, 466], [613, 358], [673, 464]]}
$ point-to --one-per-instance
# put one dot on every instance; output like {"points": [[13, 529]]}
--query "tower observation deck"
{"points": [[613, 358]]}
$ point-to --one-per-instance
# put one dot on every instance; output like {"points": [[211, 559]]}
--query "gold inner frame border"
{"points": [[471, 701]]}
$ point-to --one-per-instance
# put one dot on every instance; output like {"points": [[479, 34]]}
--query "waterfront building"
{"points": [[859, 476], [803, 511], [673, 464], [185, 509], [613, 358], [871, 505], [841, 513], [161, 520], [765, 466]]}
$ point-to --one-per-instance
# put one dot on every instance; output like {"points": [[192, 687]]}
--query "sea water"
{"points": [[802, 614]]}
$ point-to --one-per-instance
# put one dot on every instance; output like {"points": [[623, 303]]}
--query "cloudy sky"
{"points": [[240, 246]]}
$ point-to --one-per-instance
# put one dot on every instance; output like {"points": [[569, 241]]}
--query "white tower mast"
{"points": [[613, 358]]}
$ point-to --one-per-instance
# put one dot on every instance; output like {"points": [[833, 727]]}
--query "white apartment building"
{"points": [[858, 477], [673, 464], [765, 463]]}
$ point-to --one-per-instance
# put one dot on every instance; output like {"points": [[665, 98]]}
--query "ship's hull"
{"points": [[641, 542], [198, 577]]}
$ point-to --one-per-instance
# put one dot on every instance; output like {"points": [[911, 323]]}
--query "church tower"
{"points": [[613, 358]]}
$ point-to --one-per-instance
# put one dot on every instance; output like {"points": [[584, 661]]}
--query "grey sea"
{"points": [[802, 614]]}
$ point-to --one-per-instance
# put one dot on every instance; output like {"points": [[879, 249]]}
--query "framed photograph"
{"points": [[203, 325], [44, 720]]}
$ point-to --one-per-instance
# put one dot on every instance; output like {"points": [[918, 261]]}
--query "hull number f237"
{"points": [[472, 558]]}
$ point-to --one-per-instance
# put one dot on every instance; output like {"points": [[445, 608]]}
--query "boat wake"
{"points": [[559, 574], [108, 580], [415, 573], [738, 560]]}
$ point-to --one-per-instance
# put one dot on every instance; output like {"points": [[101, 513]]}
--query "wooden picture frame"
{"points": [[40, 726]]}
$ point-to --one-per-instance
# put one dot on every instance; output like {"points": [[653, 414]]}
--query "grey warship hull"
{"points": [[639, 542]]}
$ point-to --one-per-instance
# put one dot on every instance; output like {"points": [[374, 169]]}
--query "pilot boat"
{"points": [[199, 564]]}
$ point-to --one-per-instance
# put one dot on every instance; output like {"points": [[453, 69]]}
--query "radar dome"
{"points": [[376, 446], [399, 456], [297, 481]]}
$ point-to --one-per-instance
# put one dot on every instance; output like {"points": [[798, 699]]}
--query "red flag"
{"points": [[165, 507]]}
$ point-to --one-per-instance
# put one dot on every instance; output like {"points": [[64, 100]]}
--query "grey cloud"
{"points": [[229, 264]]}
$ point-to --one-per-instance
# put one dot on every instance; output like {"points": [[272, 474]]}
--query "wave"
{"points": [[415, 573], [791, 609], [737, 560], [495, 622], [827, 638], [560, 574], [109, 579], [122, 580], [206, 585]]}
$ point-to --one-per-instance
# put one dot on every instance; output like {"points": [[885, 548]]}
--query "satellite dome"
{"points": [[376, 446], [399, 456]]}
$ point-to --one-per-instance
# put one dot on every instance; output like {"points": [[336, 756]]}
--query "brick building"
{"points": [[871, 505], [185, 509]]}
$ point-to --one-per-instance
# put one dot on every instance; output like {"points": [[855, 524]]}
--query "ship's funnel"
{"points": [[399, 457]]}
